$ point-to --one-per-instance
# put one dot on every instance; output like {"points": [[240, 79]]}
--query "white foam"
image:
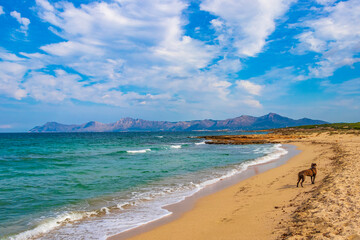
{"points": [[159, 136], [175, 146], [139, 151], [52, 223], [277, 152], [105, 210], [200, 143]]}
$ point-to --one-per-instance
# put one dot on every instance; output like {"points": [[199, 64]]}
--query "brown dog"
{"points": [[309, 172]]}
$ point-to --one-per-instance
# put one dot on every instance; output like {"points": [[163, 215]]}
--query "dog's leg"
{"points": [[302, 180], [297, 185], [299, 178], [313, 179]]}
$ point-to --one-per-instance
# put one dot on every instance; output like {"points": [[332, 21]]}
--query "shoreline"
{"points": [[177, 210], [270, 206], [267, 204]]}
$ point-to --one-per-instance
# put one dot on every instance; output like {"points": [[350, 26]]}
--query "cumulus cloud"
{"points": [[72, 48], [12, 71], [250, 87], [335, 36], [136, 53], [10, 78], [24, 22], [135, 44], [142, 36], [245, 24], [252, 103], [6, 56], [123, 25], [1, 10]]}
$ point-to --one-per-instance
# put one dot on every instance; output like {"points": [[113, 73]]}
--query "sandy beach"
{"points": [[270, 206]]}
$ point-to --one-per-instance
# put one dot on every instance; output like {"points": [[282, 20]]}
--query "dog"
{"points": [[309, 172]]}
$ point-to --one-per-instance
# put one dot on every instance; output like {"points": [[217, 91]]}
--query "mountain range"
{"points": [[244, 122]]}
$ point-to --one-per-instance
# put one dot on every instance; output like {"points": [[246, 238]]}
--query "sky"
{"points": [[74, 61]]}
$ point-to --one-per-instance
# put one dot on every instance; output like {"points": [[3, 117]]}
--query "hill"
{"points": [[244, 122]]}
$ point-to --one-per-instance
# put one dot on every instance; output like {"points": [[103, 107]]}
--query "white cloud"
{"points": [[134, 43], [24, 22], [12, 72], [250, 87], [252, 103], [325, 2], [10, 78], [184, 54], [132, 54], [143, 36], [45, 5], [63, 86], [309, 42], [248, 23], [1, 10], [5, 126], [257, 92], [227, 66], [273, 84], [6, 56], [125, 25], [335, 36], [72, 48], [217, 23]]}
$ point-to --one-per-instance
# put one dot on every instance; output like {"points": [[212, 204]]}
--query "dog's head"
{"points": [[313, 165]]}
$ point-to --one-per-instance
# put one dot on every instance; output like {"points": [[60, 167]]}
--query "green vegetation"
{"points": [[333, 126]]}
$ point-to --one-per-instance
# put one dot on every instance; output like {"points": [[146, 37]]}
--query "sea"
{"points": [[94, 185]]}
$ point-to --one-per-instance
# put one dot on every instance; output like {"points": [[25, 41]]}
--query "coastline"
{"points": [[179, 209], [61, 225], [270, 206]]}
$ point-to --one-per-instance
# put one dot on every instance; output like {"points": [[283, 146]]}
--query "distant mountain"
{"points": [[271, 120]]}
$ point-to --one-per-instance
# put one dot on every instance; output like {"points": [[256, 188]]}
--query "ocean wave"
{"points": [[138, 210], [52, 223], [275, 153], [200, 143], [66, 219], [175, 146], [140, 207], [139, 151]]}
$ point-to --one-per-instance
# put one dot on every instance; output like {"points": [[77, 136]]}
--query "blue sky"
{"points": [[74, 61]]}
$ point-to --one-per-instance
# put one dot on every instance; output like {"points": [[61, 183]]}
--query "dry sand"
{"points": [[270, 206]]}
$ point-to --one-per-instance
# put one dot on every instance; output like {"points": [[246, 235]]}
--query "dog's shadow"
{"points": [[288, 186]]}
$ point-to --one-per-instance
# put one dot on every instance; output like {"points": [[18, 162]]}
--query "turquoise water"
{"points": [[98, 184]]}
